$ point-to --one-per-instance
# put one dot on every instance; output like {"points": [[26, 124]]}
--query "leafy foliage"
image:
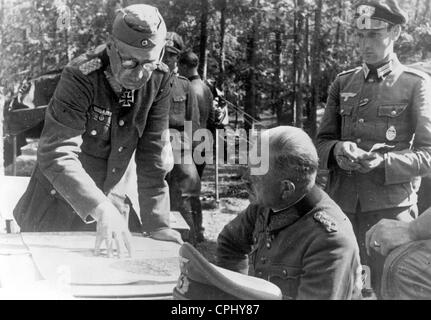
{"points": [[32, 43]]}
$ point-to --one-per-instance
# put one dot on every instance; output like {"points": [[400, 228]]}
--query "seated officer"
{"points": [[201, 280], [107, 105], [184, 181], [292, 234]]}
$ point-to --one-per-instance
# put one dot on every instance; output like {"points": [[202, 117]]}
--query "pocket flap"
{"points": [[179, 98], [346, 110], [392, 110], [284, 272]]}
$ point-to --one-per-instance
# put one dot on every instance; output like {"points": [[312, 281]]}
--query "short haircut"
{"points": [[189, 59], [294, 155]]}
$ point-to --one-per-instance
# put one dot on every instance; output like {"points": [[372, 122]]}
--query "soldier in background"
{"points": [[375, 136], [184, 181]]}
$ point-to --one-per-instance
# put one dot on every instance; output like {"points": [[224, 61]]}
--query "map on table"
{"points": [[68, 258]]}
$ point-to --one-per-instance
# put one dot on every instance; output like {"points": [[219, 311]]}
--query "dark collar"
{"points": [[381, 71], [290, 215], [194, 77], [310, 200]]}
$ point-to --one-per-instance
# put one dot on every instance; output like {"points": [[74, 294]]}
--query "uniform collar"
{"points": [[381, 72], [288, 216], [195, 77]]}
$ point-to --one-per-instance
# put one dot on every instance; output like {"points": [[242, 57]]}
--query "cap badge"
{"points": [[144, 43], [391, 133], [183, 284], [365, 13]]}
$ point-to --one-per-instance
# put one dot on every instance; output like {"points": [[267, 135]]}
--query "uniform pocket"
{"points": [[287, 279], [99, 123], [177, 114], [393, 123]]}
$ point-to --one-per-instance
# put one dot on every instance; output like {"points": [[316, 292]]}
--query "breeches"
{"points": [[362, 222], [407, 272]]}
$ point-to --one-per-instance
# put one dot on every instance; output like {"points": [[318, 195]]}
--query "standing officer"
{"points": [[375, 136], [107, 104], [292, 234], [184, 182]]}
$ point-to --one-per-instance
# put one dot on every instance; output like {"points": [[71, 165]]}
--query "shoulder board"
{"points": [[349, 71], [163, 67], [327, 222], [90, 66], [183, 78], [416, 72]]}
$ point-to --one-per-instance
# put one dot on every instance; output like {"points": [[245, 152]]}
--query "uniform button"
{"points": [[361, 120], [53, 192], [394, 113], [255, 239], [121, 123], [358, 140], [114, 170], [285, 273], [93, 132], [120, 149], [268, 245]]}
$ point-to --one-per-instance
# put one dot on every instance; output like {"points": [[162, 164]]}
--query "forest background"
{"points": [[276, 55]]}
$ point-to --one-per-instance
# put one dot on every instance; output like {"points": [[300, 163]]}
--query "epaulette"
{"points": [[327, 222], [416, 72], [163, 67], [90, 66], [183, 78], [349, 71]]}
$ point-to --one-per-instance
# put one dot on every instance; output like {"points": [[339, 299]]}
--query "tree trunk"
{"points": [[427, 10], [110, 8], [203, 40], [221, 61], [300, 62], [250, 82], [315, 69], [278, 101]]}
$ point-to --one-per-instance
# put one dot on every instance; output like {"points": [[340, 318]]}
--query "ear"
{"points": [[396, 32], [288, 188]]}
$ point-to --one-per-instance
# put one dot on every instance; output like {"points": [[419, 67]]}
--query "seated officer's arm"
{"points": [[401, 166], [330, 268], [330, 128], [60, 143], [235, 240], [152, 165]]}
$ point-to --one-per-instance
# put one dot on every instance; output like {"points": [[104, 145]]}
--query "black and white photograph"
{"points": [[215, 150]]}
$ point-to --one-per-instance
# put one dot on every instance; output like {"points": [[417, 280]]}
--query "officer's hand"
{"points": [[167, 235], [370, 162], [346, 153], [387, 235], [111, 229]]}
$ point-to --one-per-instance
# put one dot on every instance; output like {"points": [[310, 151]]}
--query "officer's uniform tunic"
{"points": [[86, 146], [309, 250], [393, 108]]}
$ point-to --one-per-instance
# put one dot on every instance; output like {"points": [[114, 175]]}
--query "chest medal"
{"points": [[127, 98], [391, 133]]}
